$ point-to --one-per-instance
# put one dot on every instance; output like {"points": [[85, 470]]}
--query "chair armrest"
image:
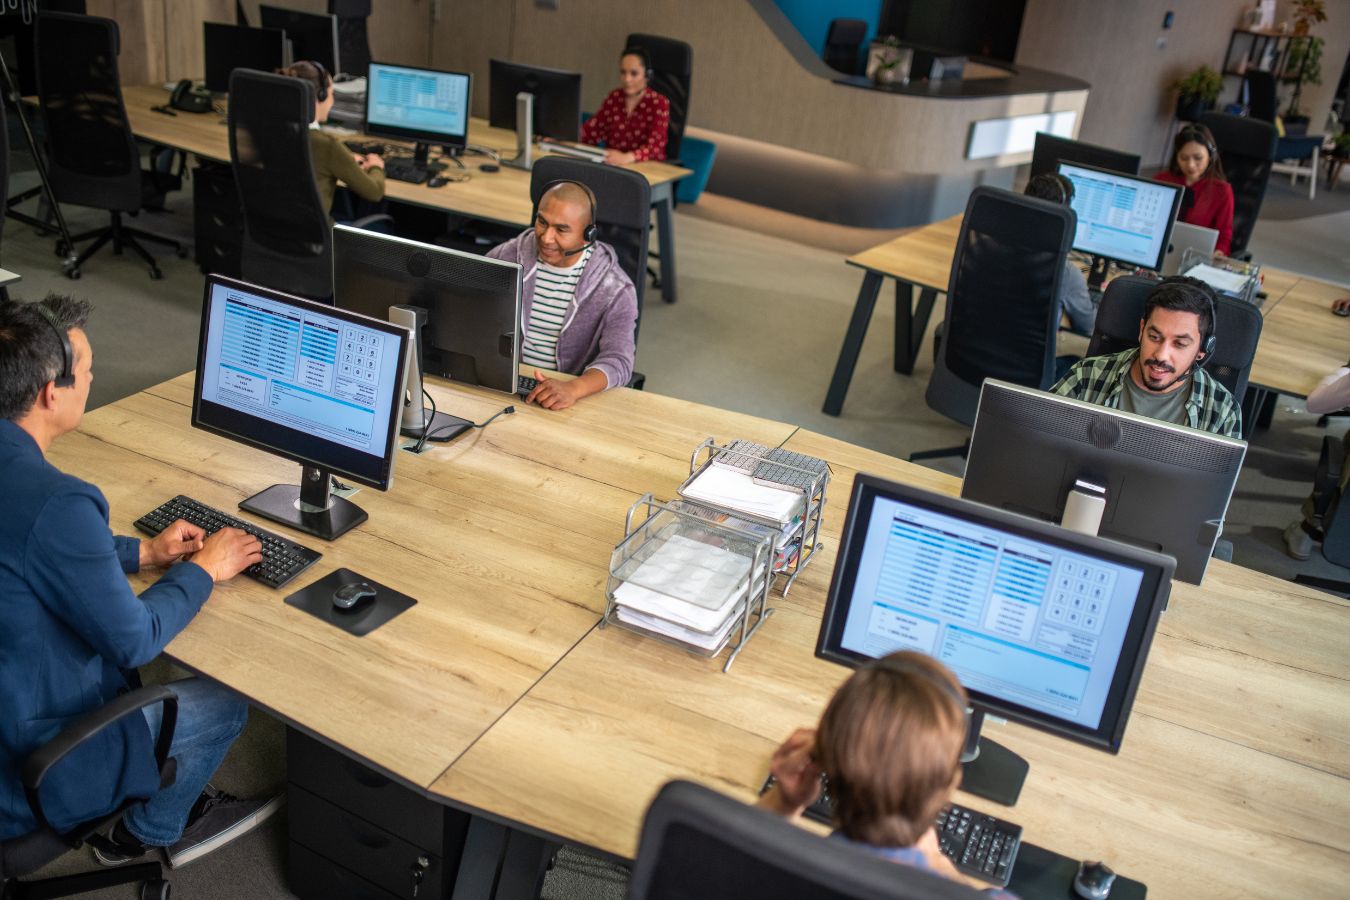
{"points": [[41, 760], [367, 221]]}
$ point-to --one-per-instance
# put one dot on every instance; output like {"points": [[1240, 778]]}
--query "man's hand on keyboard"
{"points": [[557, 393], [227, 553], [172, 544]]}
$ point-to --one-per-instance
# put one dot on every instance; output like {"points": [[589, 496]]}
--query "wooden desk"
{"points": [[1301, 340], [1232, 778], [502, 196]]}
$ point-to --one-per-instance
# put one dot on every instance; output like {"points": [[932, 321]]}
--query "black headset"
{"points": [[66, 377], [321, 92], [1192, 287], [1063, 190], [590, 233], [642, 54]]}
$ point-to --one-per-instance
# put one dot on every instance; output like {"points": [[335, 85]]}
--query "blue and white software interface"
{"points": [[419, 100], [304, 370], [1027, 622], [1118, 217]]}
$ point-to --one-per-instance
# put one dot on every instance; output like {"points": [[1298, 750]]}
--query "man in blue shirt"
{"points": [[72, 623]]}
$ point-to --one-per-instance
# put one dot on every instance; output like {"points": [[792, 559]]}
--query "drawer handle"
{"points": [[363, 776], [369, 840]]}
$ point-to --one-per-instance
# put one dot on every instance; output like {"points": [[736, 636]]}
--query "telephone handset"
{"points": [[190, 99]]}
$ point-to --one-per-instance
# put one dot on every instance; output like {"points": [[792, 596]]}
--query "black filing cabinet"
{"points": [[356, 834], [217, 219]]}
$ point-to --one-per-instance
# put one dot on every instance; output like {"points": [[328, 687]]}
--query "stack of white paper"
{"points": [[736, 490]]}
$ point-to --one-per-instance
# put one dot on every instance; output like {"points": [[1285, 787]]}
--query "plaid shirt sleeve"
{"points": [[1218, 412], [1090, 379]]}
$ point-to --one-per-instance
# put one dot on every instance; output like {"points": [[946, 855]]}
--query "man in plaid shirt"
{"points": [[1162, 378]]}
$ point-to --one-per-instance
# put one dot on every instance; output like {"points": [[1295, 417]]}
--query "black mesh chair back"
{"points": [[1236, 335], [672, 70], [91, 151], [1259, 90], [1247, 148], [623, 201], [288, 239], [697, 843], [843, 42]]}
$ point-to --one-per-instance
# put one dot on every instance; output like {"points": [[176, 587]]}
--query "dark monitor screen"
{"points": [[472, 302], [312, 35], [1122, 217], [313, 384], [1041, 625], [1051, 150], [1167, 487], [230, 47], [414, 104], [557, 98]]}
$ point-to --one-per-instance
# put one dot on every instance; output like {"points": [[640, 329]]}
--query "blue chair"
{"points": [[698, 155]]}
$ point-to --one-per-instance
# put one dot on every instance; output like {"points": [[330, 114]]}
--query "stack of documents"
{"points": [[736, 490]]}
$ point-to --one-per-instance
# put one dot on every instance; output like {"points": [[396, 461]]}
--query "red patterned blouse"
{"points": [[643, 133]]}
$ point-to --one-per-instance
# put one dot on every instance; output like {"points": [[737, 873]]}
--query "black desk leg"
{"points": [[665, 236], [853, 340], [501, 863], [910, 326]]}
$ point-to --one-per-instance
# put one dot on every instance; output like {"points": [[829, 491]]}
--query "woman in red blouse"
{"points": [[632, 121], [1209, 200]]}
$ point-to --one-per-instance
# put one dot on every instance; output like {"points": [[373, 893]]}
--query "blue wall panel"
{"points": [[812, 17]]}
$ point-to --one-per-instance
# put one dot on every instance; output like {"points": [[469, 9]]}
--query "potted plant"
{"points": [[1303, 64], [1197, 93], [1308, 13], [893, 62]]}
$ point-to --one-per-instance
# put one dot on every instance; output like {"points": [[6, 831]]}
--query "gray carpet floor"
{"points": [[756, 329]]}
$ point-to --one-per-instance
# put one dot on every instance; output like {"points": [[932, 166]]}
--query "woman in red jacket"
{"points": [[632, 121], [1208, 201]]}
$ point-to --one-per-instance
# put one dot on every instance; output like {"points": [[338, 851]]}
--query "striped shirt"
{"points": [[555, 291]]}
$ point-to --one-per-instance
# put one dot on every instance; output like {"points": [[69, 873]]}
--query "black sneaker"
{"points": [[217, 820], [118, 847]]}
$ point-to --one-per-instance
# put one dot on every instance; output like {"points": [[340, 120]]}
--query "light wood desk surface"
{"points": [[501, 196], [1234, 773]]}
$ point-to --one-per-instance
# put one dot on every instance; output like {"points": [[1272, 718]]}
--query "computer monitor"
{"points": [[316, 385], [230, 47], [1043, 626], [312, 35], [1122, 218], [1051, 150], [465, 312], [1147, 483], [423, 105], [557, 98]]}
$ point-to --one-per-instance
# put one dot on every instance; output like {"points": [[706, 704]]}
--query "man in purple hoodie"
{"points": [[579, 309]]}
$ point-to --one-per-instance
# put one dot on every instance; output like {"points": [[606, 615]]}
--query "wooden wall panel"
{"points": [[401, 31], [183, 51]]}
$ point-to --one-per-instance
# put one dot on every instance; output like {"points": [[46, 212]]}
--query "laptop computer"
{"points": [[1188, 237]]}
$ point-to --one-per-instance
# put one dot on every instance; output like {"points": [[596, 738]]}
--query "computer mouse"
{"points": [[489, 167], [1341, 308], [350, 596], [436, 181], [1094, 880]]}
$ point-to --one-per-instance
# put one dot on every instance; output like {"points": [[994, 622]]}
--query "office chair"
{"points": [[843, 42], [698, 843], [1258, 90], [672, 71], [1247, 149], [27, 853], [353, 39], [92, 153], [4, 181], [1002, 302]]}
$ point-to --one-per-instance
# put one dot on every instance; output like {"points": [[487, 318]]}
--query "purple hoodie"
{"points": [[598, 332]]}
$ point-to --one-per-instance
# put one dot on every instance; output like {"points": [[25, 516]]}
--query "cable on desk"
{"points": [[427, 433]]}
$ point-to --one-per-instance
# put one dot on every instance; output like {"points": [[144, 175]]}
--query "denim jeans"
{"points": [[210, 717]]}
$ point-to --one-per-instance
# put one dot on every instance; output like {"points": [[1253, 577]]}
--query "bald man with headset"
{"points": [[1164, 377], [579, 307]]}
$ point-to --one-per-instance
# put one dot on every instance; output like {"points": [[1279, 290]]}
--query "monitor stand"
{"points": [[418, 419], [1083, 508], [524, 133], [309, 506], [989, 769]]}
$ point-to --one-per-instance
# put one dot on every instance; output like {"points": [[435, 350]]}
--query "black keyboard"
{"points": [[403, 169], [364, 147], [282, 559], [525, 384], [978, 844]]}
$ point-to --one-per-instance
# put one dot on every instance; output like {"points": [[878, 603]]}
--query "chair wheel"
{"points": [[156, 274], [72, 272], [155, 889], [181, 253]]}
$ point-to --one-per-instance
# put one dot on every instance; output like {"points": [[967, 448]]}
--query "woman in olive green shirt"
{"points": [[333, 162]]}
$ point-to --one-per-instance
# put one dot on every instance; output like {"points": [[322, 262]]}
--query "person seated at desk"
{"points": [[1331, 395], [578, 306], [633, 121], [1208, 200], [73, 625], [890, 744], [1162, 378], [333, 162], [1074, 299]]}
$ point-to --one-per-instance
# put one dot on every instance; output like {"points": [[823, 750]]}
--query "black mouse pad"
{"points": [[317, 600], [1041, 873]]}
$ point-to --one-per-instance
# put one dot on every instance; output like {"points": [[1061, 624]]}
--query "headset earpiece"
{"points": [[66, 377], [321, 86]]}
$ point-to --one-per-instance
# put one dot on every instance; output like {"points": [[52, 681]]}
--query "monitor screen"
{"points": [[312, 35], [557, 98], [1040, 625], [1166, 487], [1052, 149], [230, 47], [300, 379], [1121, 217], [472, 302], [418, 104]]}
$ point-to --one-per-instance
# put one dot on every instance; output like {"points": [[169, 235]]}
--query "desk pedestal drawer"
{"points": [[311, 875]]}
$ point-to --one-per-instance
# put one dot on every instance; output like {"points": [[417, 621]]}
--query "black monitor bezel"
{"points": [[457, 142], [275, 34], [1167, 232], [1155, 585], [502, 103], [267, 9], [1044, 151], [204, 413]]}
